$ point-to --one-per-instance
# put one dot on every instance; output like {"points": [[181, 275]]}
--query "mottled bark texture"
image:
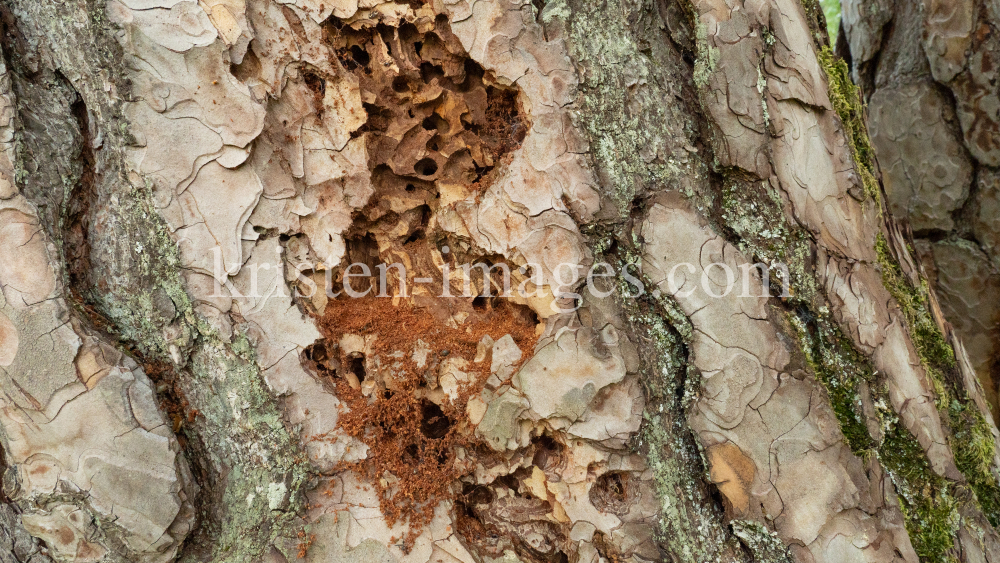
{"points": [[929, 74], [178, 176]]}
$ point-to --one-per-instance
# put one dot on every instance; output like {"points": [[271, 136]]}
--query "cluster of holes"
{"points": [[437, 115], [434, 116], [412, 434], [614, 492], [505, 515]]}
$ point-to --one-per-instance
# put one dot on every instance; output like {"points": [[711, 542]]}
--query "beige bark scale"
{"points": [[176, 174]]}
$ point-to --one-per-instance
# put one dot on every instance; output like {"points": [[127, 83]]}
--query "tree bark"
{"points": [[928, 71], [748, 364]]}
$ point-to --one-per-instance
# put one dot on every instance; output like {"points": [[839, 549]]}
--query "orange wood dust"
{"points": [[417, 449]]}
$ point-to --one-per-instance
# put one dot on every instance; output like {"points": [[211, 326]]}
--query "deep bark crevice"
{"points": [[441, 137]]}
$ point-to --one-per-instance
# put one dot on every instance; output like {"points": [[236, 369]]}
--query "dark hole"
{"points": [[410, 187], [429, 123], [473, 69], [318, 353], [508, 481], [613, 248], [481, 495], [360, 55], [378, 118], [717, 497], [425, 216], [417, 46], [314, 82], [417, 235], [349, 64], [363, 250], [613, 492], [547, 452], [615, 486], [400, 85], [480, 303], [358, 367], [433, 424], [388, 430], [284, 238], [410, 452], [426, 167], [430, 71], [319, 359], [407, 32], [522, 313], [539, 5], [638, 204], [386, 32]]}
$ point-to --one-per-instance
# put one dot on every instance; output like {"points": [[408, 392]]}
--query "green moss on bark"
{"points": [[927, 501], [935, 353], [972, 441], [974, 448], [841, 370], [846, 100]]}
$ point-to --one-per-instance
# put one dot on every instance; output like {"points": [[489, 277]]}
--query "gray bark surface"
{"points": [[928, 71], [154, 409]]}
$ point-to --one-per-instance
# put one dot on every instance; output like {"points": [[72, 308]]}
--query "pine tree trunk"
{"points": [[716, 344], [929, 73]]}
